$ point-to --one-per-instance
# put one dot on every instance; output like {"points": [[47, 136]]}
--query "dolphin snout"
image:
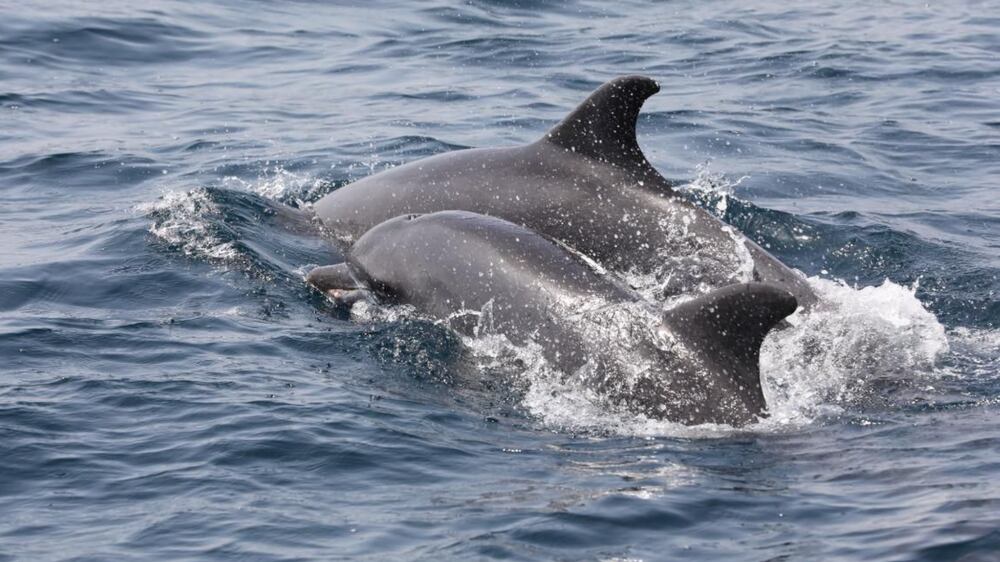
{"points": [[337, 282]]}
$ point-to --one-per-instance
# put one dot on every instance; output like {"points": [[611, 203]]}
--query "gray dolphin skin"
{"points": [[696, 363], [587, 184]]}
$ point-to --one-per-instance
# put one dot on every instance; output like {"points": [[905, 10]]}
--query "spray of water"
{"points": [[192, 222], [187, 220], [829, 355]]}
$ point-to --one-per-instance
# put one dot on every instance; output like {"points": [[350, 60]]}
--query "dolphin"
{"points": [[587, 184], [697, 362]]}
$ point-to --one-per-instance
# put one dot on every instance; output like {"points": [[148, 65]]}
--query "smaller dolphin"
{"points": [[696, 363]]}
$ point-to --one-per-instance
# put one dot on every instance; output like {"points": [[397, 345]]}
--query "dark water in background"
{"points": [[170, 389]]}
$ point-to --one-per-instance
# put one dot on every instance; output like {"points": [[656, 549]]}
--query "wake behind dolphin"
{"points": [[699, 365]]}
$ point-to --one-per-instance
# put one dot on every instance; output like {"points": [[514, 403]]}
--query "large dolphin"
{"points": [[585, 183], [696, 363]]}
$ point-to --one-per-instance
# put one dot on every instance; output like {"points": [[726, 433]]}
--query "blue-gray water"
{"points": [[171, 390]]}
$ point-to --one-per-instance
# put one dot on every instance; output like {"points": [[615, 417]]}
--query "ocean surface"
{"points": [[170, 389]]}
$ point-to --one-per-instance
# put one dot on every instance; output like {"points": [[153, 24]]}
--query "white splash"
{"points": [[830, 355], [367, 312], [189, 219], [279, 184], [713, 184], [184, 220]]}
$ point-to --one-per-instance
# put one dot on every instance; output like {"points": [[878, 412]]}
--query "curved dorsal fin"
{"points": [[729, 325], [603, 126]]}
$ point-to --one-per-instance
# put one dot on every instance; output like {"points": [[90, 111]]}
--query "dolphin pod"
{"points": [[539, 235]]}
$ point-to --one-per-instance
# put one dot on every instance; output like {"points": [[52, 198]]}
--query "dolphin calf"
{"points": [[695, 363], [587, 184]]}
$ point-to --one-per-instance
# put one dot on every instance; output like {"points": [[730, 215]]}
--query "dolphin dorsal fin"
{"points": [[603, 126], [729, 324]]}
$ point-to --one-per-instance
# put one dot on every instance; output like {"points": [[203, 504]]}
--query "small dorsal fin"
{"points": [[729, 325], [603, 126]]}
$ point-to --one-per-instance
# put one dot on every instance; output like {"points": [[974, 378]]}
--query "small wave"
{"points": [[223, 223], [774, 230], [281, 185], [975, 355], [187, 220], [74, 43]]}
